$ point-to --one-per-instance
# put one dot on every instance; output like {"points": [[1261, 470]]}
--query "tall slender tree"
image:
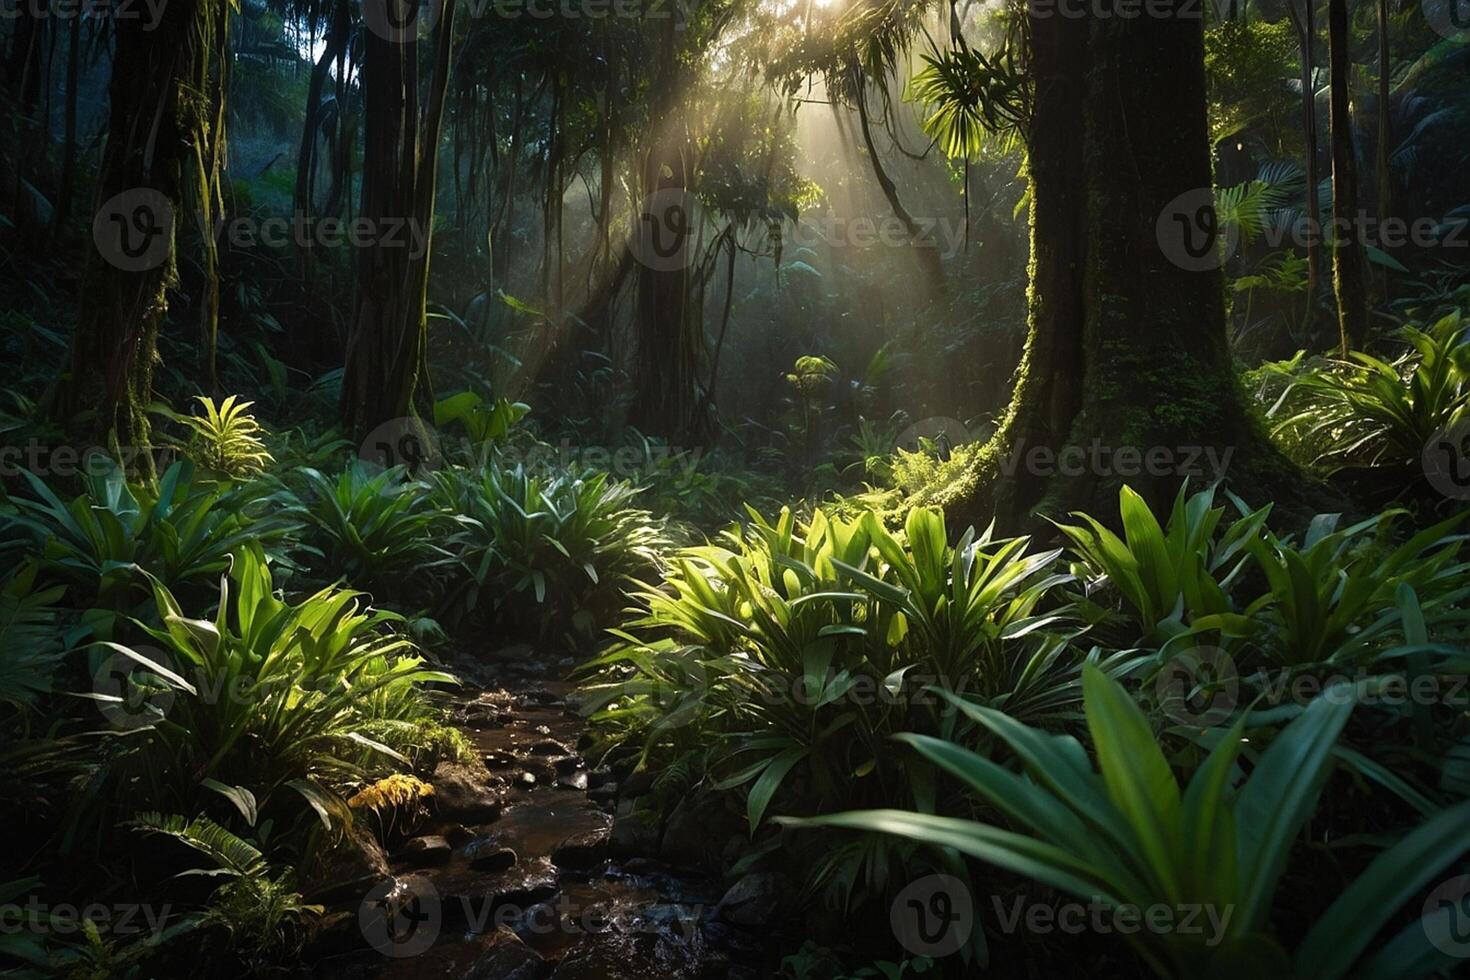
{"points": [[1305, 22], [1348, 272], [1385, 118], [386, 373]]}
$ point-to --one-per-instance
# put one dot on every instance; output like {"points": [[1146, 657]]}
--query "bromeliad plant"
{"points": [[377, 531], [267, 696], [179, 532], [802, 650], [1373, 412], [1334, 598], [1176, 578], [1124, 833], [544, 552], [226, 439]]}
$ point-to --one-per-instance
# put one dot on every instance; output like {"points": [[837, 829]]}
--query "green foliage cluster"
{"points": [[221, 619], [1126, 835], [819, 666], [1368, 411]]}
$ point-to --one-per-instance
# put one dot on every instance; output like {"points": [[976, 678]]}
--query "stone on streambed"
{"points": [[426, 850], [465, 794], [551, 747], [352, 866], [635, 831], [756, 901], [582, 852], [507, 959], [499, 759], [486, 854], [573, 780]]}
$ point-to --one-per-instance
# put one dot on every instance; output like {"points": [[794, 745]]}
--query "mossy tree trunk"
{"points": [[1127, 349], [164, 130], [385, 376]]}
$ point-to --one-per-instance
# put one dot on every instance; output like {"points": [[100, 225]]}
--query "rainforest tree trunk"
{"points": [[154, 122], [1306, 26], [69, 137], [1348, 272], [670, 338], [1127, 358], [1385, 127], [306, 169], [386, 373]]}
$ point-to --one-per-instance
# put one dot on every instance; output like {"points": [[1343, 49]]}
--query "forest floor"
{"points": [[522, 874]]}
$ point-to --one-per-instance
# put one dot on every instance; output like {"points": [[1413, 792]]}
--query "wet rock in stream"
{"points": [[756, 901], [573, 780], [583, 852], [426, 850], [507, 959], [465, 794], [486, 854], [354, 865]]}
